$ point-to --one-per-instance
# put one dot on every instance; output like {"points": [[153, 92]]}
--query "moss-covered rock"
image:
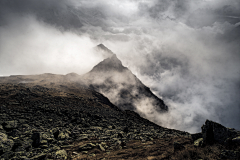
{"points": [[198, 142], [236, 140], [5, 143], [61, 154], [101, 147], [63, 136]]}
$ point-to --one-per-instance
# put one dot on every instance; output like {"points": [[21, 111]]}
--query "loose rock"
{"points": [[5, 143], [61, 154], [198, 142]]}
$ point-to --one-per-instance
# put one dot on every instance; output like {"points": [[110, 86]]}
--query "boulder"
{"points": [[101, 147], [5, 143], [55, 132], [36, 137], [236, 140], [198, 142], [63, 135], [9, 125], [61, 154], [214, 132], [39, 138]]}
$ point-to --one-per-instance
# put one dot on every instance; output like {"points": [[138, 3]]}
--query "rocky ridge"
{"points": [[39, 121]]}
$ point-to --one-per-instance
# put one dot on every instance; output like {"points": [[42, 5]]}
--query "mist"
{"points": [[186, 51]]}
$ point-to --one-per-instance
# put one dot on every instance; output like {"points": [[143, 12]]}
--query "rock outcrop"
{"points": [[216, 133]]}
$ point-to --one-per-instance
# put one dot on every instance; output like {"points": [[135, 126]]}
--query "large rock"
{"points": [[61, 154], [39, 138], [36, 137], [236, 140], [9, 125], [55, 132], [101, 147], [198, 142], [5, 143], [63, 136], [214, 132]]}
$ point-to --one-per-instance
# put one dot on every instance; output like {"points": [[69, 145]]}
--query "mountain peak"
{"points": [[122, 87], [110, 64], [101, 46], [106, 53]]}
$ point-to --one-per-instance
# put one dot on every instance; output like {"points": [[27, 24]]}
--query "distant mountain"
{"points": [[104, 50], [121, 86]]}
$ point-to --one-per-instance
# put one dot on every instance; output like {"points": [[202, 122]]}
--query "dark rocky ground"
{"points": [[55, 119]]}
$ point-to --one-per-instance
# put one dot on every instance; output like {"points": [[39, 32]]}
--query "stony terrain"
{"points": [[52, 119], [42, 119]]}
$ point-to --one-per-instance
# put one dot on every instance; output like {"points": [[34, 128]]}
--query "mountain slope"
{"points": [[122, 87], [43, 115], [47, 117]]}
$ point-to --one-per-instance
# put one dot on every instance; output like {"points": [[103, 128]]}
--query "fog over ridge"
{"points": [[186, 51]]}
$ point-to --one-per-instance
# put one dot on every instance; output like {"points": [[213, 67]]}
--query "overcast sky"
{"points": [[186, 51]]}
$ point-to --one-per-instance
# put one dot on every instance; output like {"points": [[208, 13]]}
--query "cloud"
{"points": [[30, 46], [195, 69], [56, 12], [186, 51]]}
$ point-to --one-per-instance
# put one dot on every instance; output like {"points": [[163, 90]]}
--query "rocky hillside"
{"points": [[52, 120], [40, 120]]}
